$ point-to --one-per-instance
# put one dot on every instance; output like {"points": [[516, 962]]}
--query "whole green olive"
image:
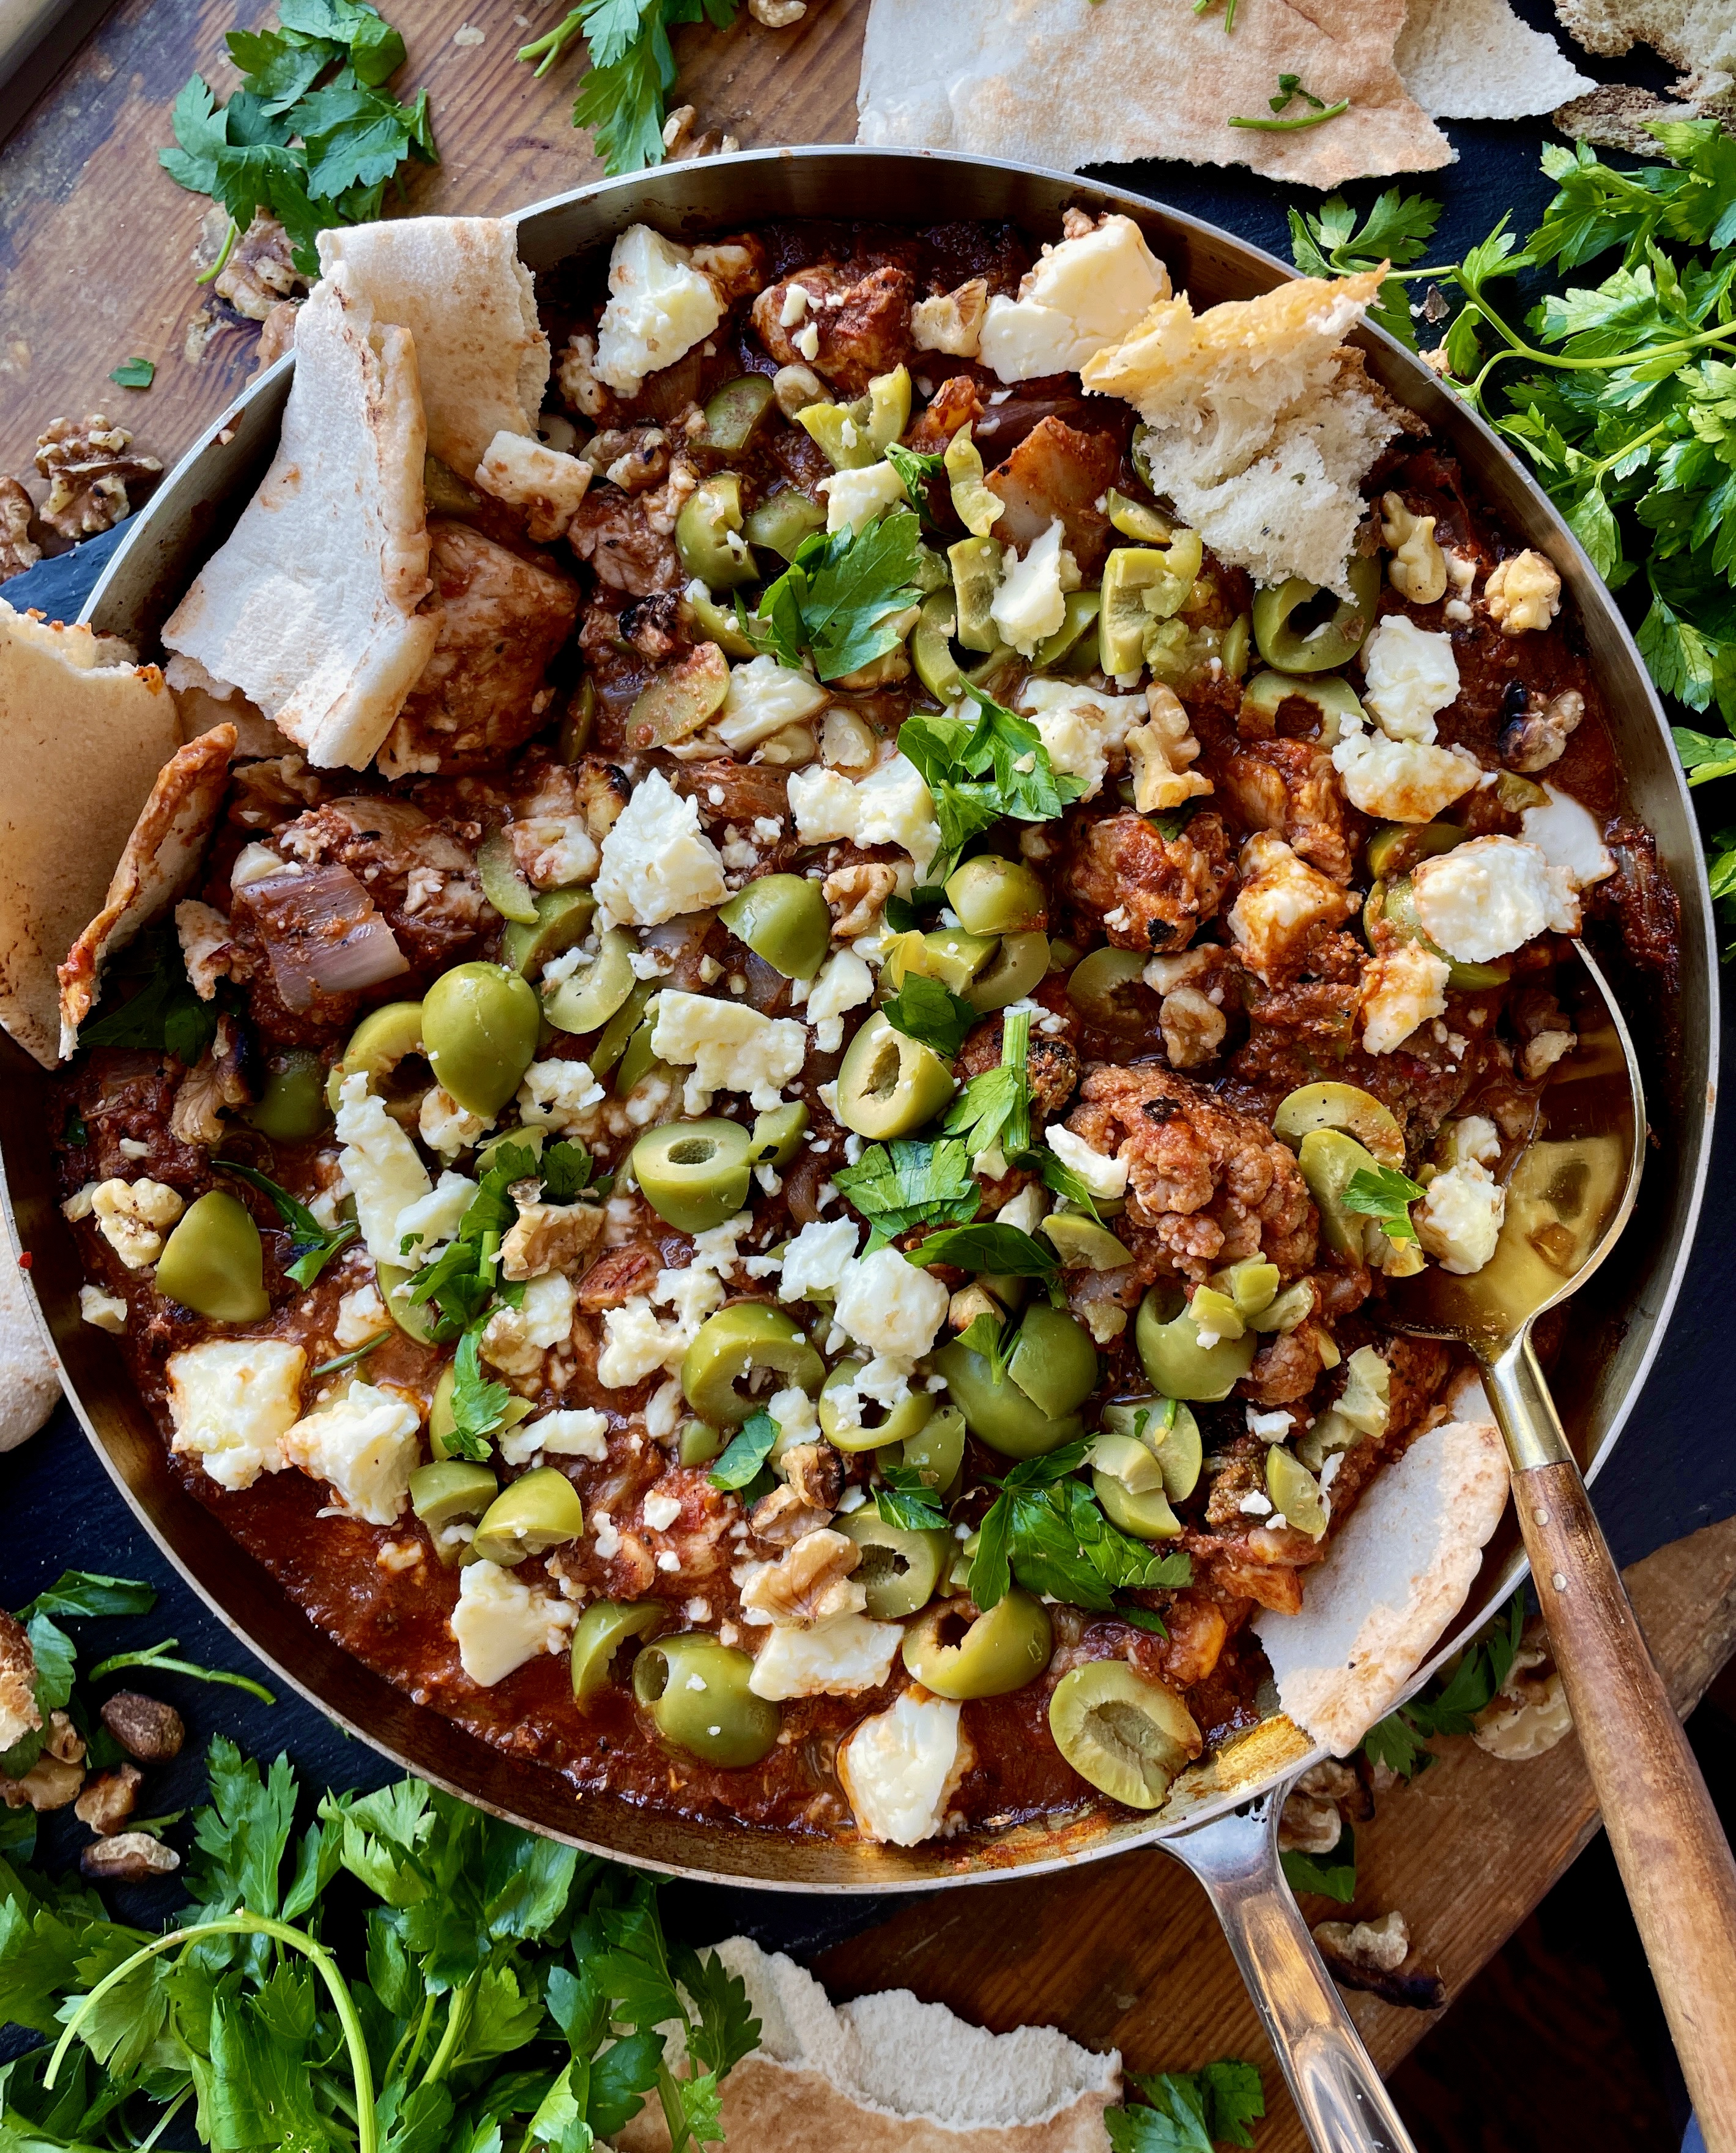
{"points": [[696, 1690], [936, 1452], [382, 1040], [890, 1084], [214, 1263], [782, 918], [734, 1345], [1018, 965], [291, 1104], [601, 1630], [694, 1174], [1346, 1107], [540, 1509], [708, 534], [1396, 848], [451, 1489], [1053, 1361], [480, 1024], [1320, 646], [899, 1570], [993, 896], [589, 996], [999, 1414], [896, 1425], [777, 1132], [1170, 1352], [1128, 1736], [1101, 988], [999, 1651], [559, 918]]}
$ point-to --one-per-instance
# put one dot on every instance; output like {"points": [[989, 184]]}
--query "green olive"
{"points": [[601, 1630], [782, 521], [698, 1444], [588, 997], [1126, 1458], [1053, 1361], [890, 1084], [1237, 637], [443, 1493], [1145, 1512], [777, 1134], [579, 722], [936, 1451], [1516, 793], [1396, 848], [1395, 902], [993, 896], [1073, 639], [946, 954], [1143, 586], [998, 1652], [1335, 699], [694, 1174], [416, 1319], [1294, 1492], [1329, 1159], [214, 1263], [1169, 1432], [1286, 1311], [999, 1414], [540, 1509], [1128, 1736], [899, 1571], [1172, 1355], [695, 1690], [559, 918], [734, 414], [639, 1057], [710, 518], [1319, 647], [1102, 987], [1082, 1244], [782, 918], [1215, 1312], [931, 651], [479, 1029], [896, 1424], [506, 889], [292, 1106], [1346, 1107], [1020, 964], [736, 1344], [382, 1040], [707, 621], [675, 702], [621, 1027], [1136, 519], [1252, 1285], [975, 564]]}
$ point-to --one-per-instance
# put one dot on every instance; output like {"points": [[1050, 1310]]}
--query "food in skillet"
{"points": [[813, 993]]}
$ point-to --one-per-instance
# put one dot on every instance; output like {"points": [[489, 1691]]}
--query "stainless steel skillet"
{"points": [[1221, 1818]]}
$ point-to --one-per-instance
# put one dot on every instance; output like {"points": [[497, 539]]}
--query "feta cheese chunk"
{"points": [[561, 1096], [529, 474], [1487, 898], [1459, 1220], [1030, 601], [659, 308], [854, 498], [569, 1431], [365, 1444], [232, 1402], [901, 1767], [1410, 673], [891, 1306], [499, 1623], [657, 862], [361, 1315], [1107, 1178], [107, 1311], [1081, 727], [729, 1046], [1474, 1138], [381, 1165], [514, 1340], [891, 805], [1402, 781], [845, 983], [1401, 990], [431, 1222], [1568, 836], [763, 698], [838, 1658], [1082, 294], [445, 1126], [816, 1261], [134, 1218]]}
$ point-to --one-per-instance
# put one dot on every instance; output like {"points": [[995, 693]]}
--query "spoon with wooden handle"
{"points": [[1568, 1199]]}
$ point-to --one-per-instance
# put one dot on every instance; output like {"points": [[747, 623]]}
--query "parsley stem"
{"points": [[674, 2114], [210, 276], [458, 2019], [549, 48], [355, 1353], [1289, 126], [156, 1655]]}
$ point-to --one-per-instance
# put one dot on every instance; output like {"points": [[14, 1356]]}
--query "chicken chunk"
{"points": [[419, 876], [1290, 787], [1143, 890], [846, 330], [1057, 470]]}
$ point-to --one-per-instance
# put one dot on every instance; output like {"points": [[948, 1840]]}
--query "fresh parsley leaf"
{"points": [[986, 1334], [565, 1170], [311, 1246], [134, 373], [993, 1112], [479, 1406], [1002, 1251], [87, 1592], [907, 1501], [897, 1186], [929, 1010], [747, 1452], [161, 1014], [1333, 1876], [1449, 1703], [841, 597], [1068, 1182], [1384, 1194], [1330, 242], [1046, 1529], [632, 69], [915, 468], [1189, 2111], [979, 770]]}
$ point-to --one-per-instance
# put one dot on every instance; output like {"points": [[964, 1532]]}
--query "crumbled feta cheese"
{"points": [[514, 1340], [891, 1306], [1269, 1426], [659, 308], [431, 1222], [232, 1402], [1026, 1210], [1402, 781], [254, 862], [1030, 601], [1081, 727], [793, 1414], [837, 1658], [561, 1095], [106, 1310], [445, 1126], [763, 698], [807, 341], [1103, 1177], [529, 474], [1459, 1220], [854, 498], [1401, 990], [1568, 836], [1255, 1504], [660, 1512], [361, 1315], [636, 1344], [365, 1443], [901, 1767], [1484, 899], [1410, 673], [891, 805], [729, 1046], [569, 1431], [381, 1165], [1282, 899], [818, 1261], [500, 1623], [656, 860], [134, 1218], [1082, 295], [1474, 1138], [81, 1203], [845, 983]]}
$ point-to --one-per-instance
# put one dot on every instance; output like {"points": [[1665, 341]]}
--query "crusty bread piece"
{"points": [[1474, 59], [1397, 1576], [310, 607], [457, 285], [29, 1380], [889, 2074], [83, 732], [1696, 35]]}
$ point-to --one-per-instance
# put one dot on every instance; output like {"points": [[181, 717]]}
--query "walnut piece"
{"points": [[1523, 592], [1418, 570], [144, 1727], [135, 1217], [810, 1583], [550, 1237], [578, 382], [786, 1516], [260, 269], [1539, 736], [57, 1775], [110, 1799], [815, 1472], [213, 1083], [777, 14], [1530, 1712], [952, 321], [19, 1714], [857, 896], [129, 1858], [87, 467], [1161, 751], [795, 387], [16, 553], [1309, 1826], [1371, 1955], [1192, 1028]]}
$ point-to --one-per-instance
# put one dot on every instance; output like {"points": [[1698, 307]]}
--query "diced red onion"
{"points": [[323, 933]]}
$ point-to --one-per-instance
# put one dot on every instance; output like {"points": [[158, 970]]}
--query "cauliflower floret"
{"points": [[1401, 990], [1523, 592], [1282, 899], [134, 1218], [1402, 781], [1459, 1220], [1487, 898]]}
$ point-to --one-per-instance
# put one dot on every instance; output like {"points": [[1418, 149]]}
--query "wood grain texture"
{"points": [[1127, 1953]]}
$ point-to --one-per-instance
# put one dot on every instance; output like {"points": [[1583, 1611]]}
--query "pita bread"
{"points": [[1397, 1576], [29, 1381], [160, 858], [310, 607], [457, 285], [1474, 59], [889, 2075], [1697, 34], [83, 731]]}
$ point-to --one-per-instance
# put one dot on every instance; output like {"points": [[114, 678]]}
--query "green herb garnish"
{"points": [[459, 1283], [479, 1406], [1002, 1251], [906, 1501], [1333, 1876], [159, 1656], [1189, 2111], [1384, 1194], [1449, 1704], [928, 1010], [161, 1014], [895, 1187], [1290, 88], [88, 1592], [741, 1463], [915, 468], [980, 769], [994, 1109], [311, 1246], [632, 70], [841, 598], [134, 373], [1330, 242], [340, 1362], [1046, 1529]]}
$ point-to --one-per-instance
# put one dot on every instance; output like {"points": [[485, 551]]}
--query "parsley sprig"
{"points": [[897, 1186], [1045, 1529], [312, 1247], [993, 1112], [479, 1407], [841, 597], [1290, 88], [1330, 242], [459, 1283], [1384, 1194], [1189, 2111], [161, 1013], [632, 70], [1449, 1704], [929, 1010], [1002, 1251], [905, 1499], [979, 770]]}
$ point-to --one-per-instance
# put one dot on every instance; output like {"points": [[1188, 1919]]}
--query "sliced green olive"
{"points": [[709, 621], [1126, 1458], [999, 1414], [478, 1030], [899, 1570], [1143, 1512], [698, 1444], [1136, 519], [998, 1652], [890, 1084], [1396, 848], [601, 1630], [1053, 1361], [587, 998], [443, 1493], [1018, 965], [936, 1451], [734, 414], [1395, 902], [1082, 1244], [782, 521], [1101, 988], [1073, 639], [931, 648], [993, 896], [1329, 1160], [1167, 1338], [579, 722], [1346, 1107], [291, 1103], [977, 507], [694, 1174], [382, 1040], [540, 1509], [559, 918], [415, 1319], [445, 492], [214, 1262], [1286, 1311], [733, 1346], [975, 564], [621, 1027], [840, 433], [674, 703], [1320, 645], [507, 890], [526, 1135], [894, 1424], [1335, 700], [1128, 1737], [1142, 586], [1252, 1285], [1238, 640], [696, 1692], [708, 534], [777, 1134], [1516, 793], [638, 1059], [1169, 1432], [1294, 1492], [782, 918]]}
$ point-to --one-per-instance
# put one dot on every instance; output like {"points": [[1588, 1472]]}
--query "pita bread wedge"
{"points": [[1474, 59], [162, 857], [1698, 35], [1397, 1576], [457, 285], [889, 2075], [83, 731], [310, 607]]}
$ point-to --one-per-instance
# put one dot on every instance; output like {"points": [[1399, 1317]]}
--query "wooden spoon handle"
{"points": [[1668, 1844]]}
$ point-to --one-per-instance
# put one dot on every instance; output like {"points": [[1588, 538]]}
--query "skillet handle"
{"points": [[1337, 2089]]}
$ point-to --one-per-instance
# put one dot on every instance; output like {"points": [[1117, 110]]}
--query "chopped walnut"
{"points": [[57, 1775], [578, 383], [214, 1082], [810, 1583], [19, 1713], [550, 1237], [87, 467], [857, 896], [1369, 1955], [110, 1799], [16, 553], [677, 127], [205, 947], [1192, 1028], [133, 1217], [1161, 751], [1523, 592], [786, 1515], [1540, 1054], [1309, 1826], [1418, 570], [144, 1727], [277, 335], [260, 269], [815, 1471], [952, 321], [631, 457], [970, 1302], [1077, 223], [1539, 736], [129, 1858], [1530, 1712], [777, 14], [795, 387]]}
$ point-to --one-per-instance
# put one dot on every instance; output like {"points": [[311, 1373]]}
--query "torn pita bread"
{"points": [[889, 2075], [160, 858], [1397, 1576], [1068, 83], [1474, 59], [83, 731], [29, 1381], [457, 285], [1697, 35], [310, 607], [204, 702]]}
